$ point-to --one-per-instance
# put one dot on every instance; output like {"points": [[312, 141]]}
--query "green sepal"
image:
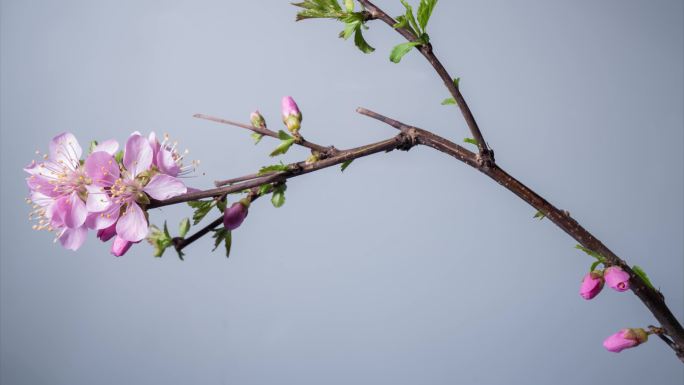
{"points": [[346, 164]]}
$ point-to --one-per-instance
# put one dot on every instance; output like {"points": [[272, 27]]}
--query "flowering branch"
{"points": [[112, 191]]}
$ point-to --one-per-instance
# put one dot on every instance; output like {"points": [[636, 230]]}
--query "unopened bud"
{"points": [[106, 234], [616, 278], [234, 215], [591, 284], [257, 119], [625, 339], [120, 246], [292, 117]]}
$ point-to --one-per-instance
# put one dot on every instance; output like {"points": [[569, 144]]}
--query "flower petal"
{"points": [[120, 246], [110, 146], [163, 187], [166, 162], [98, 199], [132, 225], [102, 220], [76, 211], [102, 168], [65, 150], [137, 155], [72, 239]]}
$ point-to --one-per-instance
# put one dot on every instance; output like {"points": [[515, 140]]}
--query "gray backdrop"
{"points": [[409, 267]]}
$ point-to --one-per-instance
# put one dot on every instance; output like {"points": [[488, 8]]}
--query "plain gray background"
{"points": [[408, 268]]}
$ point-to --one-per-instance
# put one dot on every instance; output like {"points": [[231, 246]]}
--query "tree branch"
{"points": [[486, 154]]}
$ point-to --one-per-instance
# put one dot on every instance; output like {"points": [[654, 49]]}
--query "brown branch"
{"points": [[329, 150], [486, 154], [652, 298]]}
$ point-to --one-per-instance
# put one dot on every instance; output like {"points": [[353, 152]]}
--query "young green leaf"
{"points": [[350, 28], [282, 135], [278, 197], [349, 5], [183, 227], [473, 141], [273, 168], [411, 19], [539, 215], [264, 189], [257, 138], [346, 164], [425, 11], [283, 147], [642, 274], [594, 265], [225, 236], [457, 81], [361, 43], [314, 9], [402, 49], [591, 253], [202, 208], [119, 157], [448, 101]]}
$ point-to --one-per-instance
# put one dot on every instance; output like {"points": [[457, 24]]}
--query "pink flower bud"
{"points": [[591, 285], [292, 117], [616, 278], [120, 246], [235, 215], [257, 120], [625, 339], [106, 234]]}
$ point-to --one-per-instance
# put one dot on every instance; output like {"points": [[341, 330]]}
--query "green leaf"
{"points": [[202, 208], [273, 168], [257, 138], [457, 81], [425, 11], [448, 101], [278, 197], [350, 28], [642, 274], [473, 141], [591, 253], [221, 205], [349, 5], [119, 157], [401, 22], [313, 9], [594, 266], [402, 49], [264, 189], [283, 147], [183, 227], [346, 164], [540, 215], [409, 16], [159, 240], [225, 236], [166, 231], [361, 43], [282, 135]]}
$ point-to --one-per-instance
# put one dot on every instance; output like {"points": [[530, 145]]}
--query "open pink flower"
{"points": [[59, 190], [122, 193], [625, 339]]}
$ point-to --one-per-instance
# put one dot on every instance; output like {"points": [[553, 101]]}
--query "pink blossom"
{"points": [[166, 157], [625, 339], [616, 278], [106, 234], [122, 192], [235, 215], [591, 285], [59, 191]]}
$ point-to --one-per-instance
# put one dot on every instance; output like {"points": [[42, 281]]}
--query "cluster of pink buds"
{"points": [[107, 192], [616, 278]]}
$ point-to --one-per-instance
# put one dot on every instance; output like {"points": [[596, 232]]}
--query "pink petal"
{"points": [[101, 220], [72, 239], [65, 150], [138, 155], [57, 211], [152, 138], [132, 225], [163, 187], [166, 163], [120, 246], [37, 183], [98, 200], [107, 233], [102, 168], [76, 212], [110, 146]]}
